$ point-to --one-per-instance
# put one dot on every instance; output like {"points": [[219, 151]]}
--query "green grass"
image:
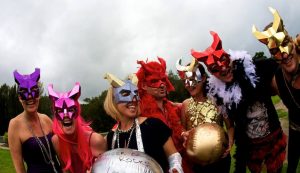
{"points": [[6, 165], [275, 99], [282, 113]]}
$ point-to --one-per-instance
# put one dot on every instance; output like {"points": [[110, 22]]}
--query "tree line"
{"points": [[91, 110]]}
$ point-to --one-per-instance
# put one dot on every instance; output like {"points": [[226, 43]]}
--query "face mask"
{"points": [[214, 57], [275, 37], [65, 104], [28, 84], [190, 74], [124, 91]]}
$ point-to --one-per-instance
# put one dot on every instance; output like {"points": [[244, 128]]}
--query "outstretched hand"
{"points": [[185, 136]]}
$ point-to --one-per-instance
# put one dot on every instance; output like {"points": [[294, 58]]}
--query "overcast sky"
{"points": [[80, 40]]}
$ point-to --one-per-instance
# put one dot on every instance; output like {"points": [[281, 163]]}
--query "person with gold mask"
{"points": [[286, 82], [200, 109]]}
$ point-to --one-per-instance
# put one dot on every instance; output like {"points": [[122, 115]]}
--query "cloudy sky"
{"points": [[76, 40]]}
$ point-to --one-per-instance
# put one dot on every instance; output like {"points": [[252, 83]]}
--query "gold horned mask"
{"points": [[275, 37]]}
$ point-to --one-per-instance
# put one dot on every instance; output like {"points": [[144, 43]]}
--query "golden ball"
{"points": [[206, 143]]}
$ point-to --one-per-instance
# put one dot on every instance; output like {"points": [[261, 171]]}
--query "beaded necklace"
{"points": [[46, 152], [126, 131], [138, 134]]}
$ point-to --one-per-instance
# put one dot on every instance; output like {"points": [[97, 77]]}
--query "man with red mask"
{"points": [[243, 87], [153, 87], [286, 82]]}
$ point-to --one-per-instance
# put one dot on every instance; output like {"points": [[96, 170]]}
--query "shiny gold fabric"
{"points": [[202, 112], [206, 143]]}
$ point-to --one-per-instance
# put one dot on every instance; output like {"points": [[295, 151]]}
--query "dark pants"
{"points": [[241, 154], [221, 166], [293, 150]]}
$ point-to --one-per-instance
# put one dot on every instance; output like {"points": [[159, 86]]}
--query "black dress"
{"points": [[34, 158], [154, 135]]}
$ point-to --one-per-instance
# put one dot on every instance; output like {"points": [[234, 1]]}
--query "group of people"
{"points": [[228, 88]]}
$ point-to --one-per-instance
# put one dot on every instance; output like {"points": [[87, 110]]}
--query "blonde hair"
{"points": [[110, 106]]}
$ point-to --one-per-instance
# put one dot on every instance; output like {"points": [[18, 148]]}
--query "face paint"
{"points": [[214, 57], [275, 37], [65, 104], [28, 84], [126, 93]]}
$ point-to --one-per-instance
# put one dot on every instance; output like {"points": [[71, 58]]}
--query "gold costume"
{"points": [[202, 112]]}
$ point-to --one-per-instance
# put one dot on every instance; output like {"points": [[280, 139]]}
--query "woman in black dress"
{"points": [[147, 135]]}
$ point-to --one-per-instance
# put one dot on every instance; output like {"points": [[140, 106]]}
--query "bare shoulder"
{"points": [[97, 138], [15, 122], [141, 119], [45, 117], [185, 103], [98, 142], [54, 139], [55, 143]]}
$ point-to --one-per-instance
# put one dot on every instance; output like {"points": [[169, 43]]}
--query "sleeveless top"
{"points": [[291, 99], [33, 156], [154, 134], [203, 112]]}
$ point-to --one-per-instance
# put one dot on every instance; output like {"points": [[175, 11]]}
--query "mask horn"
{"points": [[190, 67], [277, 23], [276, 27], [36, 74], [217, 43], [133, 78], [52, 94], [162, 62], [113, 80], [17, 77], [75, 92]]}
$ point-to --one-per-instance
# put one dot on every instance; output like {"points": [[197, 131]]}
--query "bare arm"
{"points": [[184, 115], [230, 132], [169, 147], [98, 144], [15, 146], [173, 156]]}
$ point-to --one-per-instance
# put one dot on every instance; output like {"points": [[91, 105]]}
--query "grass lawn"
{"points": [[6, 165]]}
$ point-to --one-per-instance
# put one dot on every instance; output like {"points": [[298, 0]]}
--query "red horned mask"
{"points": [[153, 74], [214, 57]]}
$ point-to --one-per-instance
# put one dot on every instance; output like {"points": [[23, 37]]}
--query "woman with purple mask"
{"points": [[74, 141], [30, 133]]}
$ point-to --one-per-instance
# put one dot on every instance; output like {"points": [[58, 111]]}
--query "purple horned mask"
{"points": [[65, 104], [28, 84]]}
